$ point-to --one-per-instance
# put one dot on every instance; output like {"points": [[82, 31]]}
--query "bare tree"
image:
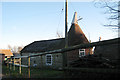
{"points": [[15, 49], [10, 47], [113, 9], [20, 48], [59, 34]]}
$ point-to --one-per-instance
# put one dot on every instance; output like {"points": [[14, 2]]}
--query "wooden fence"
{"points": [[87, 45]]}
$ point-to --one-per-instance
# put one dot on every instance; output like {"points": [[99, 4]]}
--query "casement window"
{"points": [[81, 52], [48, 59]]}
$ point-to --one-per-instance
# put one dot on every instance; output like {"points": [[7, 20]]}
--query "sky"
{"points": [[26, 22]]}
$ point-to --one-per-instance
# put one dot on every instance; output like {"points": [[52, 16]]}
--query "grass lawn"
{"points": [[34, 73], [83, 73]]}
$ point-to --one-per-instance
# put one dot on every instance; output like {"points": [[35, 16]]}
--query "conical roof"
{"points": [[75, 34]]}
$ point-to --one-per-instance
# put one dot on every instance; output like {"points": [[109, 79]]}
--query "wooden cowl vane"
{"points": [[75, 34]]}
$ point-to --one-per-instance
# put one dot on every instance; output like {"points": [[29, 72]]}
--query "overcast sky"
{"points": [[25, 22]]}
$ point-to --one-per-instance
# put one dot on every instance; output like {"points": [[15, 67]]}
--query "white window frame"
{"points": [[47, 60], [81, 52]]}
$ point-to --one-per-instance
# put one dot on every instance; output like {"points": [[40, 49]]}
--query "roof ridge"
{"points": [[4, 49], [49, 40]]}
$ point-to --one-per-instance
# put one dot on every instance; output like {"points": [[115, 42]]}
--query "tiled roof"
{"points": [[44, 45], [7, 52], [16, 54]]}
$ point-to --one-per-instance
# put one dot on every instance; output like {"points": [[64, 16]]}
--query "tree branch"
{"points": [[111, 25], [111, 8]]}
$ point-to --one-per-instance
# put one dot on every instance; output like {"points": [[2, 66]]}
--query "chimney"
{"points": [[99, 38]]}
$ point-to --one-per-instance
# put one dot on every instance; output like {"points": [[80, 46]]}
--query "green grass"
{"points": [[35, 73], [49, 73]]}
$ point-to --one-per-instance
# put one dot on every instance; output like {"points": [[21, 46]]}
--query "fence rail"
{"points": [[87, 45]]}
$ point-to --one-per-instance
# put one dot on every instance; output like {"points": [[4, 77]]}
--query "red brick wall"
{"points": [[74, 54], [88, 51]]}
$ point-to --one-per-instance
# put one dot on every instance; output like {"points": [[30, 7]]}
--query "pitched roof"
{"points": [[75, 36], [7, 52], [44, 45], [110, 51], [16, 54]]}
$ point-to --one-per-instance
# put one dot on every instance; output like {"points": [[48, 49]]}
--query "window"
{"points": [[81, 52], [48, 59]]}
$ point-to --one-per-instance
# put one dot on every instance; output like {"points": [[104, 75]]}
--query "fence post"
{"points": [[64, 56], [20, 66], [10, 63], [29, 67], [41, 61], [14, 64], [7, 64]]}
